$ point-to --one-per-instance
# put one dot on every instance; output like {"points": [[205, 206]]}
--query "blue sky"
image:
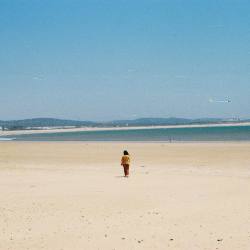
{"points": [[103, 60]]}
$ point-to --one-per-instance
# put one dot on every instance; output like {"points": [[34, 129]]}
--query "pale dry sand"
{"points": [[73, 196]]}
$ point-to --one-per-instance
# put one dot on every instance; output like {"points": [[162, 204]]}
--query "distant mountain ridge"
{"points": [[44, 122], [164, 121], [53, 122]]}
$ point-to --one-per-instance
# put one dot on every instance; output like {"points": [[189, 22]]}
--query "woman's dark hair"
{"points": [[125, 152]]}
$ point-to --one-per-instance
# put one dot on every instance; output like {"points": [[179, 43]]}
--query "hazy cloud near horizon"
{"points": [[98, 60]]}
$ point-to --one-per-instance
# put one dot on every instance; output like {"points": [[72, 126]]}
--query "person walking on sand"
{"points": [[125, 162]]}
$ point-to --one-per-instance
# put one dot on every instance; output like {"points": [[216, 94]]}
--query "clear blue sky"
{"points": [[103, 60]]}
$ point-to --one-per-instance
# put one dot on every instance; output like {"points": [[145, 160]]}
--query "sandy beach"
{"points": [[72, 195]]}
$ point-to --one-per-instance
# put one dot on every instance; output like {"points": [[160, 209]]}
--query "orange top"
{"points": [[125, 159]]}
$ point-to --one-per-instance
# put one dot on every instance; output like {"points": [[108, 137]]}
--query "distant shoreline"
{"points": [[63, 130]]}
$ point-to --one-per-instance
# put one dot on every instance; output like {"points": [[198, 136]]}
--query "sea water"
{"points": [[224, 133]]}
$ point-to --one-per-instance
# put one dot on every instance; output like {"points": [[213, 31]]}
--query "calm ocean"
{"points": [[234, 133]]}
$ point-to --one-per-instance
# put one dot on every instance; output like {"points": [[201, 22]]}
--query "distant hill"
{"points": [[166, 121], [44, 122], [151, 122], [52, 122]]}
